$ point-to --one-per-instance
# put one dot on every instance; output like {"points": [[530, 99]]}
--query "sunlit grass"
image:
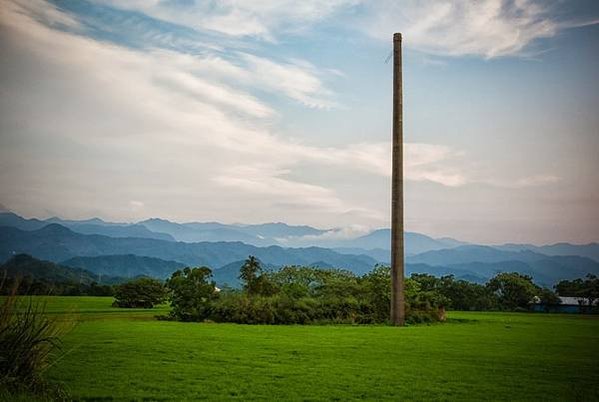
{"points": [[125, 354]]}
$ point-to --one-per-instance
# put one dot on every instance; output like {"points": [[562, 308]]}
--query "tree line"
{"points": [[26, 285], [302, 295]]}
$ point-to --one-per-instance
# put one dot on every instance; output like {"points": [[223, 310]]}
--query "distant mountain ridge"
{"points": [[472, 253], [486, 261], [262, 235], [88, 226], [415, 243], [153, 247], [590, 250], [58, 243]]}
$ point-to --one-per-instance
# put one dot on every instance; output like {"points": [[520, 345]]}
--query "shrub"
{"points": [[29, 342], [140, 293]]}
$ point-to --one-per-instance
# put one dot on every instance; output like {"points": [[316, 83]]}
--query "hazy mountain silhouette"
{"points": [[88, 226], [148, 248], [590, 250], [58, 243]]}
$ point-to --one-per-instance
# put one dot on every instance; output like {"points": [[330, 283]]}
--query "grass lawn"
{"points": [[127, 355]]}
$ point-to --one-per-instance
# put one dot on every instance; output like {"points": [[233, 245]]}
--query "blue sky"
{"points": [[266, 110]]}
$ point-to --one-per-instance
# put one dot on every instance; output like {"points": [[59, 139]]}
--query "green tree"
{"points": [[377, 289], [192, 293], [256, 282], [513, 290], [466, 295], [571, 288], [142, 292], [249, 273]]}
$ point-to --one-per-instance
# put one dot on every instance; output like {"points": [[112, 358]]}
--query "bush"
{"points": [[140, 293], [29, 342]]}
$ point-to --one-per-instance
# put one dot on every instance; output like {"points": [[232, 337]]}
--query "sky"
{"points": [[264, 111]]}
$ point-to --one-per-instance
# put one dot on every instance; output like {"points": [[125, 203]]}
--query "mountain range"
{"points": [[262, 235], [57, 243], [157, 247]]}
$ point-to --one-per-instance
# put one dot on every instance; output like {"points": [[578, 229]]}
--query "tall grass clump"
{"points": [[29, 343]]}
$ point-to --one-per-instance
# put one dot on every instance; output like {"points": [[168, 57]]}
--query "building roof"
{"points": [[577, 301]]}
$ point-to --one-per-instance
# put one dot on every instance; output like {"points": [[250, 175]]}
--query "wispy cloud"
{"points": [[262, 19], [268, 181], [524, 182], [329, 237], [487, 28], [41, 11], [299, 81]]}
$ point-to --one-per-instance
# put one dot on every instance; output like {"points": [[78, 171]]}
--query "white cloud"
{"points": [[297, 81], [524, 182], [42, 11], [486, 28], [444, 165], [540, 180], [136, 205], [268, 181], [344, 233], [259, 18], [428, 162]]}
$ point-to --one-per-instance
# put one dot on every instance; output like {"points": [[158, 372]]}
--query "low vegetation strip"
{"points": [[475, 356]]}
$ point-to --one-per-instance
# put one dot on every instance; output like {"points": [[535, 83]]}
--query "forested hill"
{"points": [[24, 266], [128, 265]]}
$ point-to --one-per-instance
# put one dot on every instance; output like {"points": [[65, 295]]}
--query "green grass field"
{"points": [[128, 355]]}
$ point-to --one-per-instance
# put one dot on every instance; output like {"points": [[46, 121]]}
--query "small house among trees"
{"points": [[569, 304]]}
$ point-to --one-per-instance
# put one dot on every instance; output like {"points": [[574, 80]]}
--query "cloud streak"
{"points": [[487, 28], [264, 19]]}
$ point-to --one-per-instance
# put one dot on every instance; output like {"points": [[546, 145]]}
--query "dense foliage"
{"points": [[460, 294], [507, 291], [513, 290], [32, 286], [140, 293], [301, 295], [296, 295], [192, 294]]}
